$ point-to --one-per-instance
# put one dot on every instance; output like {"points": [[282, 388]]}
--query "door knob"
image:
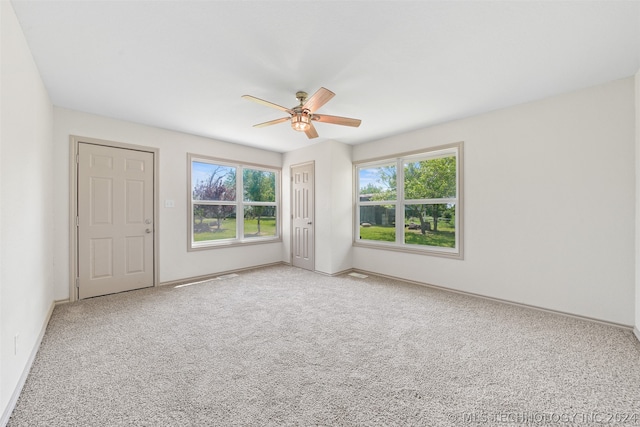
{"points": [[147, 231], [309, 223]]}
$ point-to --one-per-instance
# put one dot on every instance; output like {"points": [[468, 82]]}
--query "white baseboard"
{"points": [[339, 273], [25, 373], [214, 275], [636, 332], [504, 301]]}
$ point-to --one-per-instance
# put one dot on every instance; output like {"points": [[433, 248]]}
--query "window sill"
{"points": [[236, 243], [420, 250]]}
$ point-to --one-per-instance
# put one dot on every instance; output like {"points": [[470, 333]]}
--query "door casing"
{"points": [[73, 206]]}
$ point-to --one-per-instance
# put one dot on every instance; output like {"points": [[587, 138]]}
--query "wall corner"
{"points": [[637, 204]]}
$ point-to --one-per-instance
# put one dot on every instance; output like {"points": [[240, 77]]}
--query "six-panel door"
{"points": [[302, 206], [115, 220]]}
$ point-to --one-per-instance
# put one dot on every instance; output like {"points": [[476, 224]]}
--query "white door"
{"points": [[115, 220], [302, 213]]}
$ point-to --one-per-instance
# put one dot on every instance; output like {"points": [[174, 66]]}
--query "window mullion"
{"points": [[259, 204], [449, 200], [239, 203], [356, 193], [377, 202], [399, 202]]}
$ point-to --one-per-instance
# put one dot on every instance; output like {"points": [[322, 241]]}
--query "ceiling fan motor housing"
{"points": [[301, 97]]}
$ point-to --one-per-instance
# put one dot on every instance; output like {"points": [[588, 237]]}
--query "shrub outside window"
{"points": [[232, 203], [411, 202]]}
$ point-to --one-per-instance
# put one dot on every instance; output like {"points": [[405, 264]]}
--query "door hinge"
{"points": [[77, 282], [77, 221], [78, 158]]}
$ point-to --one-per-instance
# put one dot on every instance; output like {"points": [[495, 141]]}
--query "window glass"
{"points": [[430, 179], [259, 186], [377, 183], [378, 223], [260, 221], [213, 182], [214, 222], [430, 225]]}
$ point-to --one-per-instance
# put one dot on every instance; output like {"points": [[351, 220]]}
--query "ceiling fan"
{"points": [[302, 115]]}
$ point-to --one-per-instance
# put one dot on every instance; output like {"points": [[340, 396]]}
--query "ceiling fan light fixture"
{"points": [[300, 122]]}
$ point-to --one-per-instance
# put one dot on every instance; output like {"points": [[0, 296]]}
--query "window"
{"points": [[232, 203], [411, 202]]}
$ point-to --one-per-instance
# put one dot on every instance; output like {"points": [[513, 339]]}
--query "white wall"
{"points": [[549, 204], [26, 219], [176, 262], [333, 204], [340, 249]]}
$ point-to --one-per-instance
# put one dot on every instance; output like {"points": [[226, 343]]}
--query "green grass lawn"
{"points": [[267, 227], [228, 229], [445, 236], [378, 232]]}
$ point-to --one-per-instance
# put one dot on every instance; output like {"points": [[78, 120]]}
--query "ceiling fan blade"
{"points": [[336, 120], [318, 99], [272, 122], [267, 103], [311, 132]]}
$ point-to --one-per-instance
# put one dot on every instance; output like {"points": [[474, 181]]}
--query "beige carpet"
{"points": [[284, 346]]}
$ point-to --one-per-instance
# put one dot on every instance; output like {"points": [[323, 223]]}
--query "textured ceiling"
{"points": [[398, 66]]}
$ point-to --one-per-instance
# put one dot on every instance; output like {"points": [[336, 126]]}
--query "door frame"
{"points": [[74, 142], [313, 198]]}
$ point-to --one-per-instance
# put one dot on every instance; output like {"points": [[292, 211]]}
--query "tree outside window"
{"points": [[432, 179], [219, 215], [259, 187], [412, 201], [213, 183]]}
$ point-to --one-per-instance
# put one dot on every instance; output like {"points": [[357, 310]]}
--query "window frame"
{"points": [[400, 202], [240, 204]]}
